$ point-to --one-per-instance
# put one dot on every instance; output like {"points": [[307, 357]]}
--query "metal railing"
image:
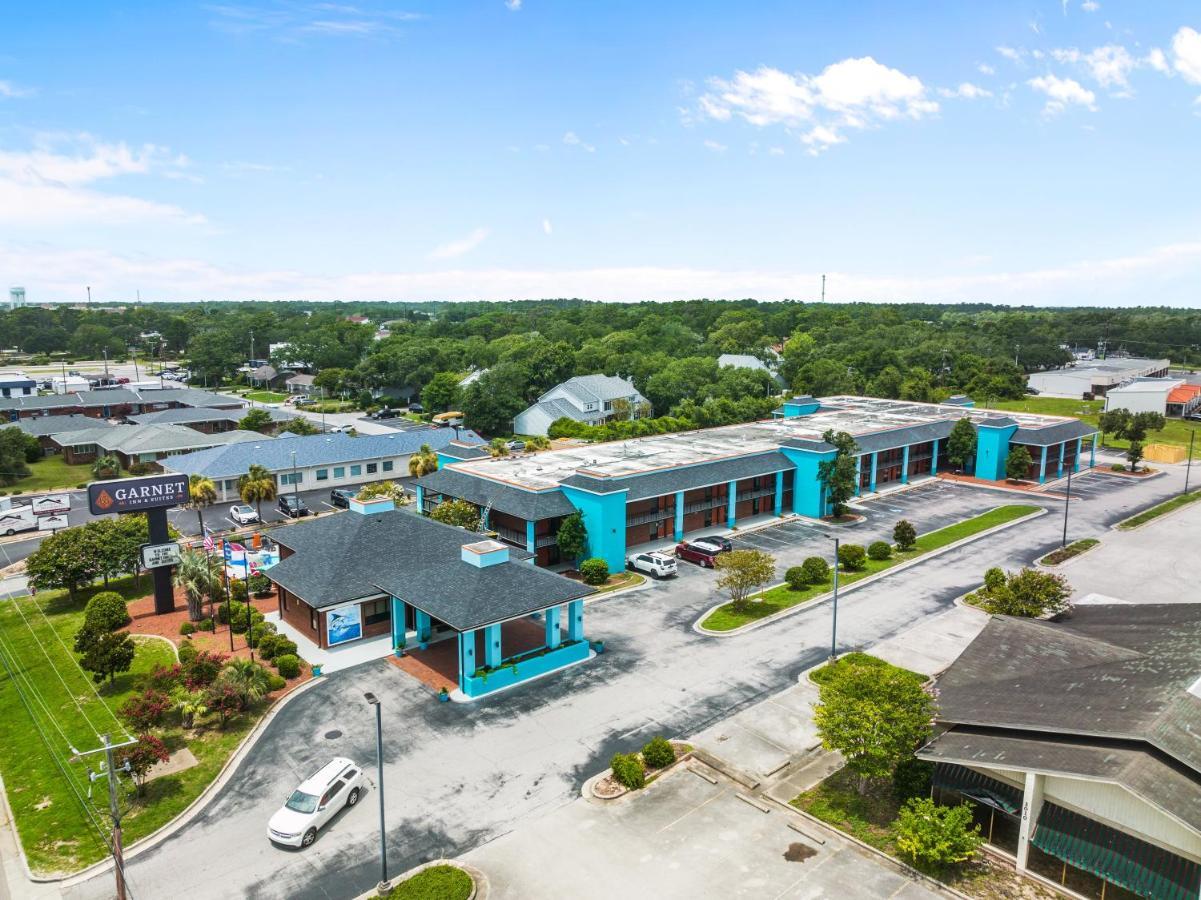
{"points": [[657, 515], [755, 495], [512, 535], [546, 540], [702, 505]]}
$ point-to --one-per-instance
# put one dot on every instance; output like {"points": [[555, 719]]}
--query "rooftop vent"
{"points": [[483, 554]]}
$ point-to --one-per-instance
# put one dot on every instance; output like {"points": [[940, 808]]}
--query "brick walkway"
{"points": [[437, 666]]}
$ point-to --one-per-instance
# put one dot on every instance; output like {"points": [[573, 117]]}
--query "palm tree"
{"points": [[106, 466], [498, 447], [189, 703], [424, 461], [256, 486], [201, 492], [251, 680], [197, 575]]}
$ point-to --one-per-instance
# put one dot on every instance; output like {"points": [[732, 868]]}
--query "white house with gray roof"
{"points": [[584, 398]]}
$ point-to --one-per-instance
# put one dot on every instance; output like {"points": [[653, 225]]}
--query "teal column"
{"points": [[1079, 450], [934, 458], [530, 544], [858, 475], [575, 620], [492, 653], [872, 482], [1062, 448], [1092, 453], [554, 635], [779, 510], [731, 500], [905, 465], [679, 529], [467, 664], [420, 499], [1042, 466], [423, 628], [398, 622]]}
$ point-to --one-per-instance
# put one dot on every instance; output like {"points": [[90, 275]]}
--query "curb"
{"points": [[1117, 526], [1071, 559], [823, 598], [479, 890]]}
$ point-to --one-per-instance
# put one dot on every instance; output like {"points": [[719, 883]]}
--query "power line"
{"points": [[36, 694]]}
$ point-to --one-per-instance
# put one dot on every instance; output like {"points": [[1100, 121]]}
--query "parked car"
{"points": [[340, 429], [293, 507], [385, 413], [335, 786], [340, 497], [657, 565], [122, 380], [701, 554], [722, 544], [516, 446], [243, 514], [416, 408]]}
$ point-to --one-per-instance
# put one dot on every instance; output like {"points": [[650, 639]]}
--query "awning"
{"points": [[978, 787], [1143, 868]]}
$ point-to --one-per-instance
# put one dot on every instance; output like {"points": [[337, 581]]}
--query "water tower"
{"points": [[16, 297]]}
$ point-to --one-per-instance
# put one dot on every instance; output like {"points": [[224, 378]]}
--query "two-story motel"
{"points": [[666, 486]]}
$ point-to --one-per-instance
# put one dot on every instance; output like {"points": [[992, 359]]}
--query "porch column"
{"points": [[679, 523], [905, 464], [554, 635], [1062, 448], [420, 499], [423, 628], [779, 509], [872, 481], [731, 501], [530, 543], [1079, 449], [934, 458], [575, 620], [399, 614], [1032, 804], [858, 475], [1092, 453], [467, 664], [1042, 466], [492, 651]]}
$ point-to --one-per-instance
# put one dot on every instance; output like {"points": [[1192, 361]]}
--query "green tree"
{"points": [[1112, 421], [104, 653], [66, 559], [423, 462], [838, 476], [441, 393], [13, 456], [936, 837], [742, 572], [331, 381], [257, 420], [572, 537], [202, 493], [1134, 455], [1027, 592], [961, 444], [498, 447], [904, 535], [874, 716], [106, 611], [457, 512], [300, 425], [256, 486], [198, 575], [141, 757], [1017, 464], [189, 703], [250, 680], [106, 466]]}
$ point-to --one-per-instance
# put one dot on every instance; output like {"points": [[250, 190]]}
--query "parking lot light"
{"points": [[384, 885], [834, 627]]}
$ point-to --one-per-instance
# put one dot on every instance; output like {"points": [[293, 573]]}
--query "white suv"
{"points": [[337, 784], [660, 565], [243, 514]]}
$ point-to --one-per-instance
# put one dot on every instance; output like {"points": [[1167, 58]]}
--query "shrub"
{"points": [[277, 682], [284, 647], [935, 837], [288, 665], [851, 557], [627, 770], [187, 628], [164, 679], [594, 571], [911, 778], [237, 591], [259, 584], [1118, 467], [260, 630], [202, 669], [658, 753], [106, 611], [816, 569], [187, 653], [206, 625], [795, 578], [266, 645], [904, 535], [994, 579], [245, 618], [145, 710], [879, 550]]}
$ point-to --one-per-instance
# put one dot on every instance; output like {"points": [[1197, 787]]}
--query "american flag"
{"points": [[237, 548], [208, 540]]}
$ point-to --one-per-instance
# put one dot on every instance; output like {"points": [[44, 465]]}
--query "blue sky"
{"points": [[1040, 152]]}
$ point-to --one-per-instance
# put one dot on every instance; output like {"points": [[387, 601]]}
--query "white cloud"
{"points": [[965, 91], [851, 94], [295, 20], [546, 226], [1010, 54], [453, 249], [1062, 92], [715, 146], [1158, 61], [1090, 5], [513, 5], [985, 69], [9, 91], [1186, 54], [1110, 66], [571, 139]]}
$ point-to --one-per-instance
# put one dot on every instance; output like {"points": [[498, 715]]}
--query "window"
{"points": [[322, 474], [356, 471], [313, 619], [372, 468], [376, 611], [332, 792], [339, 471], [387, 465], [291, 477]]}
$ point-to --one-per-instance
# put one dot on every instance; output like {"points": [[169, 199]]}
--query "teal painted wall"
{"points": [[805, 408], [992, 449], [808, 494], [523, 670], [605, 519]]}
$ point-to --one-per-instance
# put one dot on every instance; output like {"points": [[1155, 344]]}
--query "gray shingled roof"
{"points": [[43, 426], [683, 479], [598, 388], [188, 415], [456, 450], [119, 397], [900, 437], [1053, 434], [529, 505], [338, 559]]}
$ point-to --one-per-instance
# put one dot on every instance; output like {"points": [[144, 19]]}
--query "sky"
{"points": [[1022, 153]]}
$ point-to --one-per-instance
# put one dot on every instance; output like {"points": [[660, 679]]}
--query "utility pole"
{"points": [[89, 295], [1016, 350], [105, 351], [114, 807], [834, 629], [1188, 466], [1067, 499], [251, 346], [823, 289]]}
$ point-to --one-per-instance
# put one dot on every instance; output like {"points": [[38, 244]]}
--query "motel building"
{"points": [[1076, 743], [665, 487], [472, 611]]}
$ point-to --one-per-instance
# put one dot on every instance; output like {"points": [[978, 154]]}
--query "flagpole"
{"points": [[229, 601]]}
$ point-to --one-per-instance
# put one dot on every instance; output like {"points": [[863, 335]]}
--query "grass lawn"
{"points": [[782, 597], [266, 396], [52, 472], [331, 406], [1176, 431], [435, 883], [1156, 511], [1063, 554], [36, 635], [620, 580]]}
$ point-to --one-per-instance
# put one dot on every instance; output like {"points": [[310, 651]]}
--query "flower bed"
{"points": [[1063, 554]]}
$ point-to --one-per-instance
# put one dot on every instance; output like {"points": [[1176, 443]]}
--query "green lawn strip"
{"points": [[1160, 509], [826, 672], [435, 883], [1175, 431], [266, 397], [54, 830], [620, 580], [1063, 554], [52, 472], [782, 597]]}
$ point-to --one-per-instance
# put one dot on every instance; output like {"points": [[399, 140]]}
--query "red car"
{"points": [[701, 555]]}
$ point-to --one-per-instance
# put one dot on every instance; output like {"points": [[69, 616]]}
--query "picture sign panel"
{"points": [[51, 504], [343, 624], [52, 523], [156, 555], [129, 495]]}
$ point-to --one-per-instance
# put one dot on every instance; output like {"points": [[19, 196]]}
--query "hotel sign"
{"points": [[155, 556], [131, 495]]}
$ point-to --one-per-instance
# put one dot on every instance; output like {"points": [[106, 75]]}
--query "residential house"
{"points": [[134, 444], [592, 399], [17, 384]]}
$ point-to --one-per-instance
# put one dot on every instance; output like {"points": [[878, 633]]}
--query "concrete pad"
{"points": [[176, 762], [935, 643]]}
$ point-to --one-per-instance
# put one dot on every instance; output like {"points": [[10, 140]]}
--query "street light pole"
{"points": [[384, 886], [1188, 467], [1067, 499], [834, 629], [295, 482]]}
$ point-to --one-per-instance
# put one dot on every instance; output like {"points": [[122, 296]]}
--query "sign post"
{"points": [[153, 495]]}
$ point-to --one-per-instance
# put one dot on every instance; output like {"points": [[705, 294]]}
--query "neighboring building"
{"points": [[1142, 395], [16, 298], [208, 420], [660, 488], [300, 384], [472, 377], [1095, 379], [67, 384], [47, 428], [133, 444], [17, 384], [358, 320], [114, 403], [1076, 743], [746, 361], [375, 570], [266, 376], [321, 460], [1184, 400], [585, 398]]}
